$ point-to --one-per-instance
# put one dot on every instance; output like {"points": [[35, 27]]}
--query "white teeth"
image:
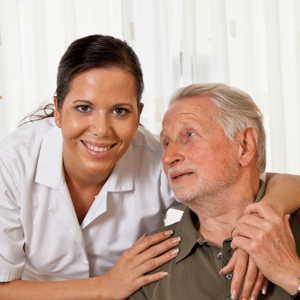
{"points": [[97, 149]]}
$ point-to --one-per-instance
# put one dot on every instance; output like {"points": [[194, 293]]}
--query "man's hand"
{"points": [[270, 242]]}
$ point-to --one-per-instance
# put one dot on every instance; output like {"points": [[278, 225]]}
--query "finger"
{"points": [[242, 243], [263, 210], [239, 272], [251, 220], [248, 230], [264, 286], [287, 226], [156, 250], [154, 263], [230, 266], [250, 279], [145, 242], [147, 279], [256, 287]]}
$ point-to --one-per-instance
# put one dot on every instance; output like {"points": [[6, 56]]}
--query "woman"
{"points": [[75, 196]]}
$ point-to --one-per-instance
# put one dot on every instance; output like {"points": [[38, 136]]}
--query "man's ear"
{"points": [[247, 140], [56, 113]]}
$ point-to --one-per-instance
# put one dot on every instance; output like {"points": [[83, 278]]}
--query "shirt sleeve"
{"points": [[12, 256]]}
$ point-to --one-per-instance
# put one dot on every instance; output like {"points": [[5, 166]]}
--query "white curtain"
{"points": [[250, 44]]}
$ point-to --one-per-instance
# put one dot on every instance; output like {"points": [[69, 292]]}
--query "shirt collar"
{"points": [[190, 236], [122, 176], [50, 165]]}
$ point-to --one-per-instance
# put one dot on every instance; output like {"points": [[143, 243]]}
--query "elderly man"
{"points": [[214, 154]]}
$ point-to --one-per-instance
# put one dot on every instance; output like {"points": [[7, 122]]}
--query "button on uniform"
{"points": [[220, 255]]}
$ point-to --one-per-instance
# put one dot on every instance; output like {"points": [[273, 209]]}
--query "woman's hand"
{"points": [[270, 242], [244, 268], [128, 273]]}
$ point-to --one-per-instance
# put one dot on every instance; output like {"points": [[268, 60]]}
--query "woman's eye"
{"points": [[83, 108], [120, 111]]}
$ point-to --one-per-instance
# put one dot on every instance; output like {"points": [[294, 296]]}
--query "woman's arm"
{"points": [[122, 280], [282, 193]]}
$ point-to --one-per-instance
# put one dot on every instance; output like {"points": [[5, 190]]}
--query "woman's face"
{"points": [[98, 120]]}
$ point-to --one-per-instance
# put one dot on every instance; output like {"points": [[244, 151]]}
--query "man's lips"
{"points": [[175, 175]]}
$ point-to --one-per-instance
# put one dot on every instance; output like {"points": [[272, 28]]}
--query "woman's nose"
{"points": [[101, 124]]}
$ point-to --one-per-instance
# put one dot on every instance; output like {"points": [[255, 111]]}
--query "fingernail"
{"points": [[164, 274], [176, 240], [169, 232], [264, 291], [174, 252], [253, 298], [234, 294], [221, 271]]}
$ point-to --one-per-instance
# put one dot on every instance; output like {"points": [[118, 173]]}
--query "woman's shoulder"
{"points": [[27, 134], [144, 139]]}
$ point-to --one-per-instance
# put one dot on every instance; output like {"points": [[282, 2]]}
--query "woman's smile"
{"points": [[98, 150]]}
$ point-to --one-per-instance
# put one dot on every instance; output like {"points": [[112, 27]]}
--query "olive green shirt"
{"points": [[194, 273]]}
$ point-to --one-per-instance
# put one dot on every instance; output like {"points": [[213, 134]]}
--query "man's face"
{"points": [[198, 158]]}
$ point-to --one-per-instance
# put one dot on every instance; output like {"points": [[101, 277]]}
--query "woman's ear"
{"points": [[140, 112], [247, 140], [56, 113]]}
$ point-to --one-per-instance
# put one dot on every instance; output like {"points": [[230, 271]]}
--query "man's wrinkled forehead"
{"points": [[190, 111]]}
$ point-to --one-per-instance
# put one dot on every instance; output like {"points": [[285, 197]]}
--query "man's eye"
{"points": [[167, 144], [120, 111], [190, 134], [83, 108]]}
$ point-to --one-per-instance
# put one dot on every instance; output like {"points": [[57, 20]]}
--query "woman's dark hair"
{"points": [[94, 51]]}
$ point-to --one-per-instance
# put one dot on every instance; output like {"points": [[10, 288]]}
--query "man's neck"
{"points": [[218, 214]]}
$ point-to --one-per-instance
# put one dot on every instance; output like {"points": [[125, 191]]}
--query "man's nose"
{"points": [[172, 154]]}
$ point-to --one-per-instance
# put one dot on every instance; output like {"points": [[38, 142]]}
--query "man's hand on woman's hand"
{"points": [[269, 241]]}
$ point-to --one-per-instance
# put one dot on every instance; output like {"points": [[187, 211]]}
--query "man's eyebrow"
{"points": [[161, 135]]}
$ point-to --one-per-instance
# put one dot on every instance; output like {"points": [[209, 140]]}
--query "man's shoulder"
{"points": [[149, 291], [166, 228]]}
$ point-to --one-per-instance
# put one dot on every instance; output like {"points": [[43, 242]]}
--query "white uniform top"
{"points": [[40, 237]]}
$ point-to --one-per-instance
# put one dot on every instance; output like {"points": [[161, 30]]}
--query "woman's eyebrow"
{"points": [[85, 101], [122, 104]]}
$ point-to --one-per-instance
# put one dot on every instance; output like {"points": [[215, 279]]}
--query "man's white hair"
{"points": [[236, 111]]}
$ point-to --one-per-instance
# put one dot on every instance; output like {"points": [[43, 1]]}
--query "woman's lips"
{"points": [[97, 147], [97, 150]]}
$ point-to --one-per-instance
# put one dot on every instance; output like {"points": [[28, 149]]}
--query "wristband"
{"points": [[298, 290]]}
